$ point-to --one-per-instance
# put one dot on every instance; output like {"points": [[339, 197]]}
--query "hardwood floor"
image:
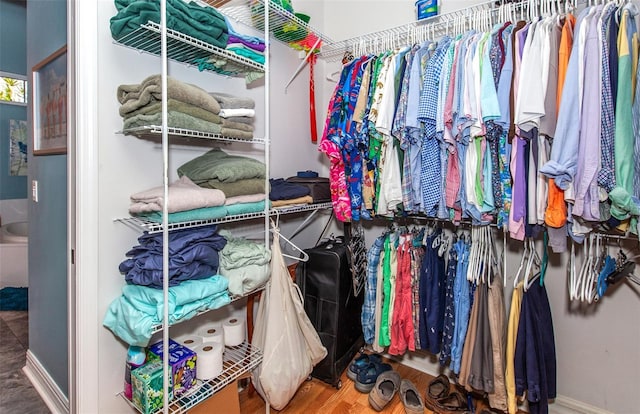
{"points": [[316, 396]]}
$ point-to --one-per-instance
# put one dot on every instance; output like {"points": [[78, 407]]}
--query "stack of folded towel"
{"points": [[237, 112], [189, 107], [241, 179], [201, 22]]}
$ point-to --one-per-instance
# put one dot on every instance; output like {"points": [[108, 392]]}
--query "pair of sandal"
{"points": [[387, 385], [365, 370], [442, 400]]}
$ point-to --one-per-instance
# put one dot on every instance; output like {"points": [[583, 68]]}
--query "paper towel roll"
{"points": [[190, 341], [212, 332], [209, 362], [233, 331]]}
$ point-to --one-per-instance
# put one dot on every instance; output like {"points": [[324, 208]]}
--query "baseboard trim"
{"points": [[51, 394], [566, 405]]}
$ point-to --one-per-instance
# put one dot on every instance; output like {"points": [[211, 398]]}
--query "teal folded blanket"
{"points": [[205, 213], [139, 309], [243, 208], [200, 22]]}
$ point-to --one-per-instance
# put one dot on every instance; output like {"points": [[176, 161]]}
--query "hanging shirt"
{"points": [[563, 159], [587, 203]]}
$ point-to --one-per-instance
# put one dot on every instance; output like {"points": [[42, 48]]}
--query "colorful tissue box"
{"points": [[183, 365], [146, 382]]}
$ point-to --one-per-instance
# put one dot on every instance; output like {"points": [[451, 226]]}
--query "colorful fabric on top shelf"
{"points": [[201, 22], [474, 127]]}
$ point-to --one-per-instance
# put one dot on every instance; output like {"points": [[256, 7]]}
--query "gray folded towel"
{"points": [[232, 102], [133, 97], [176, 120], [174, 105]]}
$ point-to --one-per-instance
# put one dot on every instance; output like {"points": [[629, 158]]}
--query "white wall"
{"points": [[598, 352], [13, 210]]}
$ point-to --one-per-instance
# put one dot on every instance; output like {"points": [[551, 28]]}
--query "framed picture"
{"points": [[49, 104]]}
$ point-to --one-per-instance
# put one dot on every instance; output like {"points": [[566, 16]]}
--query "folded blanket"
{"points": [[250, 43], [228, 113], [133, 97], [241, 50], [175, 120], [180, 296], [245, 37], [218, 165], [229, 101], [134, 315], [155, 107], [221, 66], [203, 23], [183, 195], [205, 213], [244, 208], [240, 119], [236, 133], [295, 201], [246, 264], [240, 126], [249, 198], [284, 190], [237, 188]]}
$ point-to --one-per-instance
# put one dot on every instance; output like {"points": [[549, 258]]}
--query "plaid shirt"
{"points": [[369, 305]]}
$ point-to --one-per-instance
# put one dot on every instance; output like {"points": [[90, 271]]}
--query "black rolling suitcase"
{"points": [[326, 284]]}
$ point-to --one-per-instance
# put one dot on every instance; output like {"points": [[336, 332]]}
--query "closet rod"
{"points": [[431, 28], [466, 223]]}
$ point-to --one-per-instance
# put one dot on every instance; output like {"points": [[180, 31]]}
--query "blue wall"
{"points": [[13, 59], [48, 252]]}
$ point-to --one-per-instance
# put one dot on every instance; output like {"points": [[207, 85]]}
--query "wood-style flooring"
{"points": [[315, 396]]}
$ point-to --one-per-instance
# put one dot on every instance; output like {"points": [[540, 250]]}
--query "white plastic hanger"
{"points": [[275, 230], [534, 260]]}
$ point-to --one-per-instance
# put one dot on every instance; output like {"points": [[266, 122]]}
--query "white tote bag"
{"points": [[284, 333]]}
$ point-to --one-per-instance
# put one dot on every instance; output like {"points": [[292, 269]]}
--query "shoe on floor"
{"points": [[386, 386], [367, 376], [439, 387], [360, 363], [411, 398], [454, 403]]}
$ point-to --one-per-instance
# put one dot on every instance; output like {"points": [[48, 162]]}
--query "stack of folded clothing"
{"points": [[139, 309], [193, 254], [187, 202], [284, 193], [189, 107], [237, 113], [244, 263], [189, 18], [241, 179], [249, 47]]}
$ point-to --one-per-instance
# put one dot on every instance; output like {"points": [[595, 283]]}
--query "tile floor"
{"points": [[17, 395]]}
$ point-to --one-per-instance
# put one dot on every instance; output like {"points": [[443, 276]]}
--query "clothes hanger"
{"points": [[534, 260], [276, 230]]}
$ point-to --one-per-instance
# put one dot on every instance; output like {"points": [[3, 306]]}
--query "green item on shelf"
{"points": [[291, 31], [148, 390]]}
